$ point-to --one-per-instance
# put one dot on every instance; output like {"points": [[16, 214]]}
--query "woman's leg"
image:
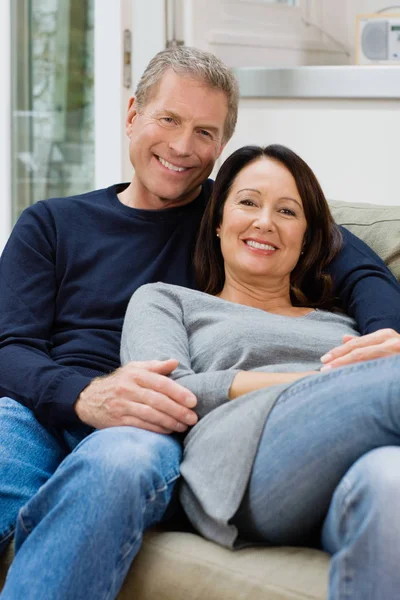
{"points": [[318, 429], [362, 529]]}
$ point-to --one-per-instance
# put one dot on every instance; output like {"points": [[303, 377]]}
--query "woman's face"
{"points": [[263, 223]]}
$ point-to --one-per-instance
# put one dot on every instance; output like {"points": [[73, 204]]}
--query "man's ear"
{"points": [[130, 115]]}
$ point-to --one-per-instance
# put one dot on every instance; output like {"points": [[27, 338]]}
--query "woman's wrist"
{"points": [[249, 381]]}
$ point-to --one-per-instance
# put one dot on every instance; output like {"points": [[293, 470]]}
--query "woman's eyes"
{"points": [[284, 211], [288, 211], [247, 202]]}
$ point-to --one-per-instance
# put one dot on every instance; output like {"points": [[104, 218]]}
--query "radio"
{"points": [[378, 39]]}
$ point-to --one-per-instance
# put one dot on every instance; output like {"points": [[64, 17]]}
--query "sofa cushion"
{"points": [[378, 226], [178, 566]]}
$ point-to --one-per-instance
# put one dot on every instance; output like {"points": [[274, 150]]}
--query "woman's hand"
{"points": [[384, 342]]}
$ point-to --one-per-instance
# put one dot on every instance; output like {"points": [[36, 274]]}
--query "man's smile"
{"points": [[172, 167]]}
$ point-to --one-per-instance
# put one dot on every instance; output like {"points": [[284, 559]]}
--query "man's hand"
{"points": [[139, 395], [384, 342]]}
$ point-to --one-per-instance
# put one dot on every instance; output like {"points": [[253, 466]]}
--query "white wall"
{"points": [[351, 145], [5, 124]]}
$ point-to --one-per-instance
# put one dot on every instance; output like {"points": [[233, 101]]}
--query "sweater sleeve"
{"points": [[367, 289], [154, 329], [28, 296]]}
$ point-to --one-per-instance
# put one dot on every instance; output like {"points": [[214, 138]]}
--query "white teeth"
{"points": [[259, 246], [170, 166]]}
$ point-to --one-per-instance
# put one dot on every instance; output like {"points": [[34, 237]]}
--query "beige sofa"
{"points": [[180, 566]]}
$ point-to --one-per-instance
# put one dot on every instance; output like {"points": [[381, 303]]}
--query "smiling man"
{"points": [[82, 461], [66, 275]]}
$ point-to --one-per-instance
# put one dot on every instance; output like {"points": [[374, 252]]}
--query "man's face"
{"points": [[175, 140]]}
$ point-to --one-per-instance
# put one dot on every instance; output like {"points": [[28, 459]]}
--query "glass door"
{"points": [[52, 98]]}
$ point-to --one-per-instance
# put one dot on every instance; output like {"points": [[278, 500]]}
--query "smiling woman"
{"points": [[278, 444], [262, 229], [267, 196]]}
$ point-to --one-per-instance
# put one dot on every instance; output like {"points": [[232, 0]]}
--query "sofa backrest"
{"points": [[378, 226]]}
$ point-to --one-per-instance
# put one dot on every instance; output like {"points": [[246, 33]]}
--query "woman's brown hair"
{"points": [[310, 285]]}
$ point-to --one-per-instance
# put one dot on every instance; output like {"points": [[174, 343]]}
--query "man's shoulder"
{"points": [[87, 198], [61, 209]]}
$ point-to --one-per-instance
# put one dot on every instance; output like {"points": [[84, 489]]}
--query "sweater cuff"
{"points": [[387, 323], [214, 391], [59, 411]]}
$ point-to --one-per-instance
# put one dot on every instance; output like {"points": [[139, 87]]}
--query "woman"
{"points": [[283, 453]]}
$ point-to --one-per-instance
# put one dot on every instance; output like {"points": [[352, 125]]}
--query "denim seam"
{"points": [[136, 536], [7, 535], [27, 529], [348, 503], [162, 489]]}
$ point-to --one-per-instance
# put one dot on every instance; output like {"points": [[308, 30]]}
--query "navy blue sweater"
{"points": [[70, 267]]}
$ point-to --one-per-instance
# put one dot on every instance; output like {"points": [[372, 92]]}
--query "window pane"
{"points": [[52, 99]]}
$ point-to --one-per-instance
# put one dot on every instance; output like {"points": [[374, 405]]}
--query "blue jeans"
{"points": [[81, 514], [327, 473]]}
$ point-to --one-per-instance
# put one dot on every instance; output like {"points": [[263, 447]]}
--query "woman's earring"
{"points": [[217, 234]]}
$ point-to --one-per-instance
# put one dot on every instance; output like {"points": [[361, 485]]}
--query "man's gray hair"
{"points": [[194, 63]]}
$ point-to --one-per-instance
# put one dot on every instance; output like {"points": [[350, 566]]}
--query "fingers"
{"points": [[384, 342], [137, 414], [158, 400], [164, 367], [138, 397], [162, 385]]}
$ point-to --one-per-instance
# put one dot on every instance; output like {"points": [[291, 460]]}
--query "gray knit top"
{"points": [[213, 340]]}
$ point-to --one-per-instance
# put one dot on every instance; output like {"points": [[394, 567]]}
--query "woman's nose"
{"points": [[265, 220]]}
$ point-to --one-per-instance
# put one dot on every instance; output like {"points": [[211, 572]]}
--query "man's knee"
{"points": [[127, 456]]}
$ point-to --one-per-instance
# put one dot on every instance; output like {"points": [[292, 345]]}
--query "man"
{"points": [[92, 472]]}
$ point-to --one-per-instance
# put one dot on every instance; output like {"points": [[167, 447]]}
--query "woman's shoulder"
{"points": [[172, 291]]}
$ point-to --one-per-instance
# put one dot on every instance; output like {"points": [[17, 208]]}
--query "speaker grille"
{"points": [[374, 40]]}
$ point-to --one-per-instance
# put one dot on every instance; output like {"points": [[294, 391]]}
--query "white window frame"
{"points": [[5, 122], [110, 101], [110, 96]]}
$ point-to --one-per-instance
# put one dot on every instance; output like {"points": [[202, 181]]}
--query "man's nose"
{"points": [[182, 143]]}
